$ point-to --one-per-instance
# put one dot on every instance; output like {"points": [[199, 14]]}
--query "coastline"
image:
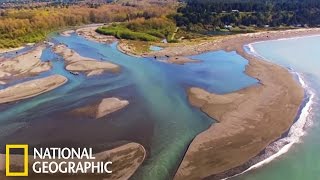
{"points": [[204, 139]]}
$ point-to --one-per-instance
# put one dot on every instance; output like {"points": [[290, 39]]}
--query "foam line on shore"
{"points": [[296, 131], [252, 50]]}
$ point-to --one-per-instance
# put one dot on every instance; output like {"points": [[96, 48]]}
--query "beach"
{"points": [[249, 119]]}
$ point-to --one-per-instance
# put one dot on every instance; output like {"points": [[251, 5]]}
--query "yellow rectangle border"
{"points": [[25, 159]]}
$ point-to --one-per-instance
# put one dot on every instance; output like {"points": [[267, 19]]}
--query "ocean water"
{"points": [[159, 116], [296, 156]]}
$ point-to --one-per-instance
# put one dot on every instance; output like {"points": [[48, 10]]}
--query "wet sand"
{"points": [[125, 161], [31, 88], [181, 60], [248, 119], [78, 64], [27, 64]]}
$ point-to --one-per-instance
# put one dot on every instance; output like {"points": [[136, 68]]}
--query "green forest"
{"points": [[154, 20], [210, 15], [30, 25]]}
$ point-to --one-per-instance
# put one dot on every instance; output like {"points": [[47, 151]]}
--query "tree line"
{"points": [[28, 25], [213, 14]]}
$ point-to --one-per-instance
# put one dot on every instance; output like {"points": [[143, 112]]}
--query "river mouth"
{"points": [[293, 153], [159, 116]]}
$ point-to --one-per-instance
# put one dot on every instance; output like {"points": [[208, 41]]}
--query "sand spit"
{"points": [[91, 34], [249, 119], [76, 63], [181, 60], [125, 161], [230, 41], [101, 109], [27, 64], [31, 88]]}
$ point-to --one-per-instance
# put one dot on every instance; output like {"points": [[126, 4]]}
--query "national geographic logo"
{"points": [[25, 159], [55, 161]]}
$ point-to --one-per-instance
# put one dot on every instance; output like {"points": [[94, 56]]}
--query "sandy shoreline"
{"points": [[249, 119]]}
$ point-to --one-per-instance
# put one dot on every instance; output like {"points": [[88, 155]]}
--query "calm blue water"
{"points": [[302, 161], [159, 116]]}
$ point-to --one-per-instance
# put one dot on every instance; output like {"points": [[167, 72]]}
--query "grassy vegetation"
{"points": [[153, 29], [121, 32]]}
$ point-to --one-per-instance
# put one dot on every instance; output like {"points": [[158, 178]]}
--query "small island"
{"points": [[76, 63], [101, 109]]}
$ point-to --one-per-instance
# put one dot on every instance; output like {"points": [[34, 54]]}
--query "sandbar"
{"points": [[103, 108], [27, 64], [181, 60], [31, 88], [76, 63]]}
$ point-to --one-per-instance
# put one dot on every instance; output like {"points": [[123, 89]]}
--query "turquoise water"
{"points": [[159, 116], [155, 48], [302, 161]]}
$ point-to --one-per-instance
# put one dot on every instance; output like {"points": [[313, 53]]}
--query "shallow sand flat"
{"points": [[125, 161], [103, 108], [249, 119], [31, 88], [27, 64], [77, 63], [181, 60], [91, 34]]}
